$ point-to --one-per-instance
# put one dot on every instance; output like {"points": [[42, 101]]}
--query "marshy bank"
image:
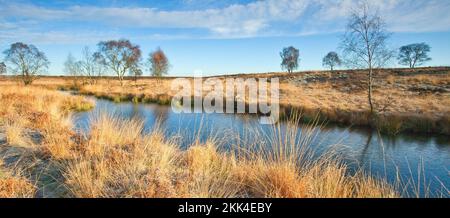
{"points": [[406, 101]]}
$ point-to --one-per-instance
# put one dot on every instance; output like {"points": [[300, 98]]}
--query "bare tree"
{"points": [[414, 54], [91, 65], [2, 68], [364, 43], [289, 58], [119, 55], [71, 68], [136, 72], [27, 61], [331, 60], [159, 64]]}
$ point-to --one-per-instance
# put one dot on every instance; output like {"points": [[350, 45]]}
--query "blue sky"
{"points": [[216, 36]]}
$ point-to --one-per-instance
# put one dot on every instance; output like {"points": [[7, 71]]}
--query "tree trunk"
{"points": [[26, 81], [370, 90], [27, 78], [121, 80]]}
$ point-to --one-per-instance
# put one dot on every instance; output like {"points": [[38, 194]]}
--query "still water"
{"points": [[421, 161]]}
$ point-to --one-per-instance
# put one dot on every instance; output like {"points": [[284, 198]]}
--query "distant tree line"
{"points": [[364, 45], [119, 57]]}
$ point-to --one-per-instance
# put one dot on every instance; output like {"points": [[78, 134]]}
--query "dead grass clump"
{"points": [[15, 131], [14, 134], [369, 187], [118, 161], [210, 174], [271, 180], [109, 131], [14, 186], [58, 144]]}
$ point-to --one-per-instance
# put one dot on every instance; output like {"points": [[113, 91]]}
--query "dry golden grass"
{"points": [[24, 110], [30, 108], [14, 186], [117, 159], [15, 134]]}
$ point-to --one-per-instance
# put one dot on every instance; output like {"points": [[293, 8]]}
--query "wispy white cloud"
{"points": [[260, 18], [61, 37], [400, 15], [245, 20]]}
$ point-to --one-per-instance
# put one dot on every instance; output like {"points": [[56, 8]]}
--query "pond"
{"points": [[421, 161]]}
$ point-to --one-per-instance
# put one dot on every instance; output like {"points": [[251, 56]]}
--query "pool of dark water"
{"points": [[422, 161]]}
